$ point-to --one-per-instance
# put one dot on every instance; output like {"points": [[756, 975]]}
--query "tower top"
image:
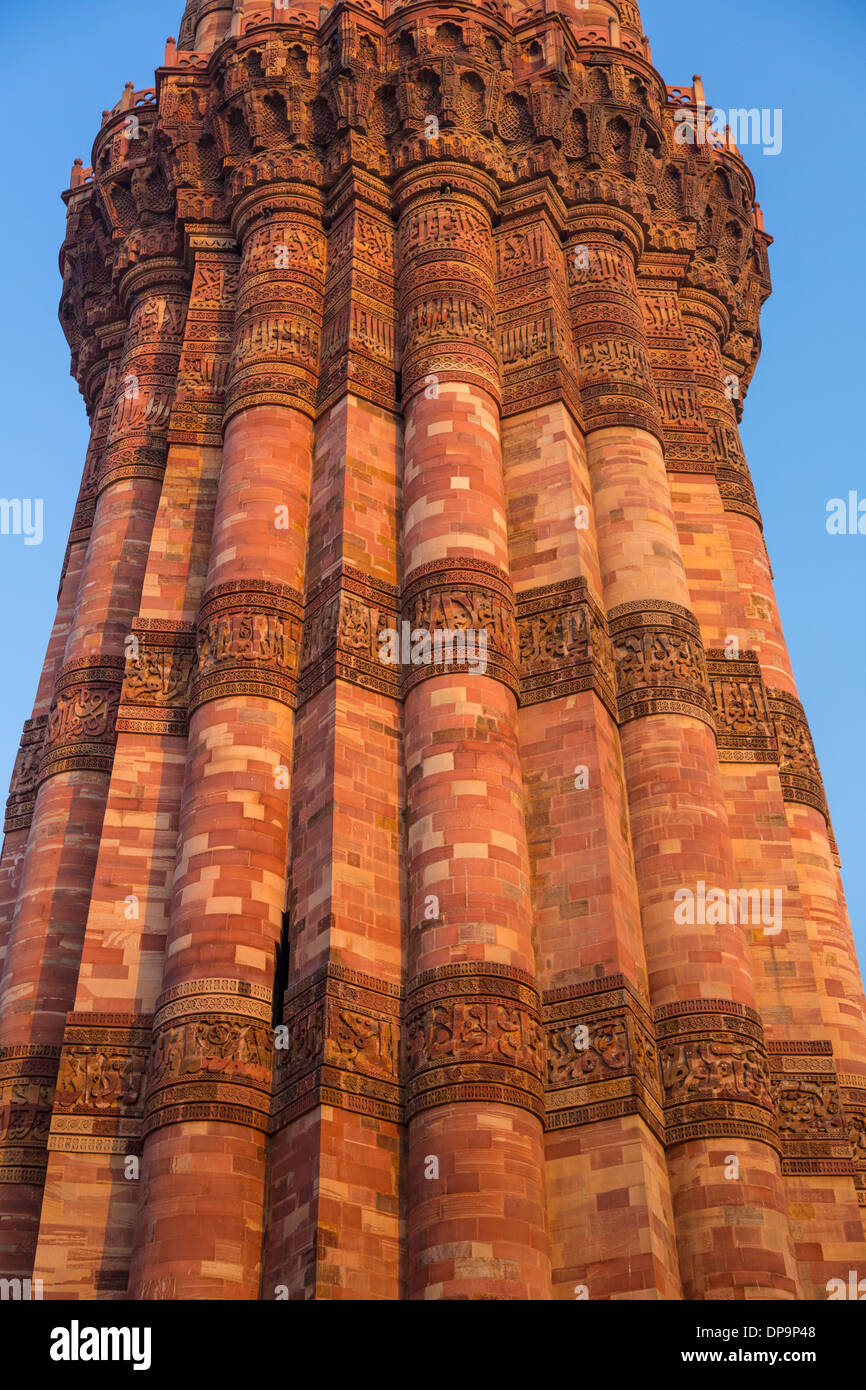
{"points": [[206, 23]]}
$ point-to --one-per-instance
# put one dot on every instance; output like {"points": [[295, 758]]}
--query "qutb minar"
{"points": [[515, 967]]}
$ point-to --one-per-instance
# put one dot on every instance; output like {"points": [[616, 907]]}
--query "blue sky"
{"points": [[801, 428]]}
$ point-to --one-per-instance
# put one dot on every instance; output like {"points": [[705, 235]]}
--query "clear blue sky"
{"points": [[802, 427]]}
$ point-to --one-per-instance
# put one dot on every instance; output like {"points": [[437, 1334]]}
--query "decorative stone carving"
{"points": [[462, 595], [158, 677], [147, 376], [198, 404], [80, 733], [344, 1046], [812, 1125], [473, 1033], [447, 321], [799, 772], [613, 365], [359, 334], [660, 661], [715, 1073], [276, 342], [25, 776], [744, 729], [602, 1059], [248, 637], [852, 1089], [564, 644], [211, 1056], [28, 1072], [344, 618], [100, 1084]]}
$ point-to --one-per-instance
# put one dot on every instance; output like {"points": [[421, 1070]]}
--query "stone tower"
{"points": [[418, 880]]}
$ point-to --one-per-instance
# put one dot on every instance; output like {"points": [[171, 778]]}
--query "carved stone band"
{"points": [[613, 365], [27, 1079], [473, 1033], [248, 638], [466, 608], [100, 1084], [812, 1123], [278, 328], [744, 727], [852, 1088], [156, 686], [535, 342], [80, 734], [211, 1056], [602, 1060], [715, 1075], [446, 304], [82, 517], [565, 647], [341, 1046], [359, 329], [344, 620], [616, 387], [660, 661], [798, 763], [737, 492], [25, 776]]}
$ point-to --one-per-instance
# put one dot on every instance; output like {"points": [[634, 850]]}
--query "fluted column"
{"points": [[474, 1082], [335, 1232], [602, 1089], [200, 1226], [99, 391], [699, 976], [47, 931], [85, 1243], [819, 977]]}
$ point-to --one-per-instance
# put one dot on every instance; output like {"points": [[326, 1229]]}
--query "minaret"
{"points": [[418, 880]]}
